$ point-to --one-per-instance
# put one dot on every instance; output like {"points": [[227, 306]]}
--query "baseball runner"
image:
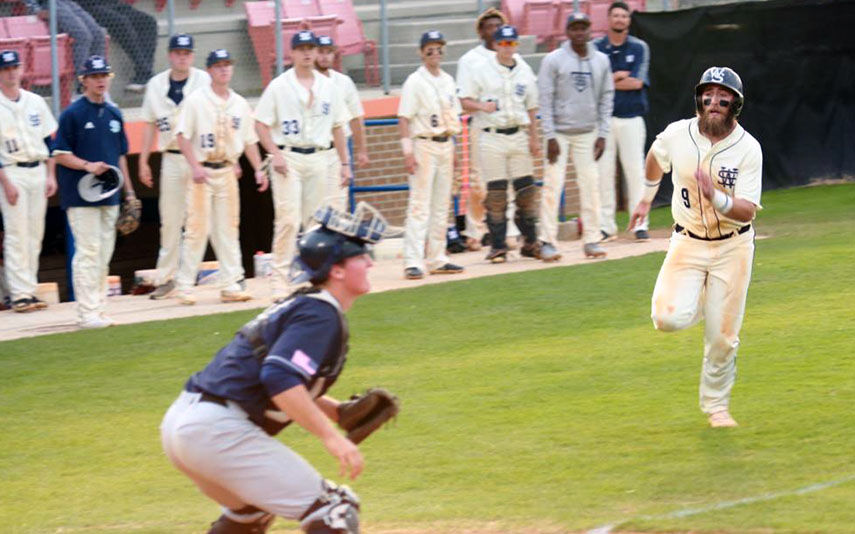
{"points": [[476, 227], [716, 169], [277, 369], [164, 94], [214, 128], [299, 118], [90, 150], [336, 192], [502, 94], [27, 181], [428, 118], [576, 94], [630, 59]]}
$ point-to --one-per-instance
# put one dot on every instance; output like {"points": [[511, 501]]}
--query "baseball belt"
{"points": [[216, 164], [680, 230], [28, 164], [506, 131], [173, 151], [215, 399], [306, 149], [436, 138]]}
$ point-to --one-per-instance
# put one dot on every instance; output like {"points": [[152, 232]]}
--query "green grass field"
{"points": [[533, 402]]}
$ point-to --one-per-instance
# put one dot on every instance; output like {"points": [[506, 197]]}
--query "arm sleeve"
{"points": [[49, 123], [660, 151], [354, 104], [123, 148], [48, 143], [546, 90], [148, 113], [247, 126], [532, 98], [467, 84], [407, 104], [607, 98], [749, 184], [265, 108], [341, 115], [299, 352], [186, 123], [642, 67], [64, 142]]}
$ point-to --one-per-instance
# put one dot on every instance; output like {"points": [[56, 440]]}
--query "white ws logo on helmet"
{"points": [[183, 41], [434, 35], [717, 74], [98, 63]]}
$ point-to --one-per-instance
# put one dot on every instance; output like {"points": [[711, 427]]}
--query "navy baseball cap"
{"points": [[218, 55], [182, 41], [325, 40], [303, 38], [432, 36], [9, 58], [506, 33], [95, 65], [578, 17]]}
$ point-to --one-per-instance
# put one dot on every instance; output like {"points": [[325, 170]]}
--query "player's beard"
{"points": [[718, 127]]}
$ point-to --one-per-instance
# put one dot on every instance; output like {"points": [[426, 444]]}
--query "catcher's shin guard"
{"points": [[496, 203], [527, 204], [336, 511], [247, 520]]}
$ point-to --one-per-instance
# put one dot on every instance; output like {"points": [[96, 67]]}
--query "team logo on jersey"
{"points": [[519, 89], [235, 123], [580, 80], [162, 124], [35, 120], [89, 126], [302, 360], [727, 177], [630, 58], [115, 126], [325, 108]]}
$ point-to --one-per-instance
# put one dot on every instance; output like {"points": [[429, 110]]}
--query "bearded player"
{"points": [[716, 171]]}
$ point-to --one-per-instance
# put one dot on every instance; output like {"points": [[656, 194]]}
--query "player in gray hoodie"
{"points": [[576, 98]]}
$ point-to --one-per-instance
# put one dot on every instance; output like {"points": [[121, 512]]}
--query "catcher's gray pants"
{"points": [[233, 461]]}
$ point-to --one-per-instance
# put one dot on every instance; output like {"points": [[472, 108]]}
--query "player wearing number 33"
{"points": [[299, 118], [716, 169]]}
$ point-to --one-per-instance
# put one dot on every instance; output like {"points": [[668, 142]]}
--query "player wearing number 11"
{"points": [[716, 167]]}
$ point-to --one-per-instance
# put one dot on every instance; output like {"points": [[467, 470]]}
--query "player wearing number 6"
{"points": [[299, 118], [716, 168]]}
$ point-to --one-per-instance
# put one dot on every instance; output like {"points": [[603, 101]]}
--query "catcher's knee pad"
{"points": [[247, 520], [527, 204], [496, 201], [336, 511]]}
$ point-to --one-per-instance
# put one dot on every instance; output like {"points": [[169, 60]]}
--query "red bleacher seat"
{"points": [[260, 17], [299, 9], [38, 71], [351, 37], [538, 19]]}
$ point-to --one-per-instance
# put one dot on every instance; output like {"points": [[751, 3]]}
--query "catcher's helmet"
{"points": [[339, 236], [725, 77]]}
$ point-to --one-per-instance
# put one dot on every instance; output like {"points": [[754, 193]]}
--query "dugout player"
{"points": [[164, 94], [299, 119], [27, 178], [90, 144], [336, 194], [428, 119], [277, 369], [502, 94], [214, 128], [716, 169]]}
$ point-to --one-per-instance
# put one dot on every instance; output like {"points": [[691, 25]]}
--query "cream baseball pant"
{"points": [[476, 225], [175, 178], [296, 197], [428, 204], [625, 141], [707, 280], [335, 195], [94, 231], [233, 461], [213, 210], [24, 225], [581, 146]]}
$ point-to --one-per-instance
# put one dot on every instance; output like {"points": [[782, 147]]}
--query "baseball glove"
{"points": [[129, 216], [363, 414]]}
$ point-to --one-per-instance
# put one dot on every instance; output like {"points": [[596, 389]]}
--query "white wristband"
{"points": [[407, 145], [722, 202]]}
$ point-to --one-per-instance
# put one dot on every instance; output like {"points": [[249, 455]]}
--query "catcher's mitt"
{"points": [[129, 217], [363, 414]]}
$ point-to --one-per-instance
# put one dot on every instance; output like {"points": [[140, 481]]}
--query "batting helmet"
{"points": [[339, 236], [725, 77]]}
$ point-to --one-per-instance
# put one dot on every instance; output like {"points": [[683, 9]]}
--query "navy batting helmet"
{"points": [[339, 236], [725, 77]]}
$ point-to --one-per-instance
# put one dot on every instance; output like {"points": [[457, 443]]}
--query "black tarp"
{"points": [[797, 63]]}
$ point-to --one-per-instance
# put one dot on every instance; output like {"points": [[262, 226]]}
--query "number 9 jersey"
{"points": [[735, 165]]}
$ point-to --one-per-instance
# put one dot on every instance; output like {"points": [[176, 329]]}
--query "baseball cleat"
{"points": [[23, 305], [722, 419], [38, 303], [594, 250], [413, 273], [186, 298], [642, 235], [549, 253], [448, 268], [163, 291], [95, 322], [228, 295], [498, 255], [607, 237]]}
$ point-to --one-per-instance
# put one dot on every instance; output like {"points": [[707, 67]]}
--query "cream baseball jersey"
{"points": [[735, 165], [218, 129], [430, 103], [161, 110], [514, 90], [347, 89], [24, 124], [299, 117]]}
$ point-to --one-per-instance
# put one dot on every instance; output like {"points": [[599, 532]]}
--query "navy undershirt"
{"points": [[176, 90]]}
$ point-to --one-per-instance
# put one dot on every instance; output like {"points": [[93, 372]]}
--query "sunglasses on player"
{"points": [[506, 43]]}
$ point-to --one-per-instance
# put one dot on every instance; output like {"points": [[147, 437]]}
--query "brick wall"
{"points": [[387, 168]]}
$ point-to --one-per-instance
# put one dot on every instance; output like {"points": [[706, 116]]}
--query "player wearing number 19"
{"points": [[299, 118], [716, 168]]}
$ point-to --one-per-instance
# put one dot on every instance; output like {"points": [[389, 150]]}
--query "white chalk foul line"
{"points": [[607, 529]]}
